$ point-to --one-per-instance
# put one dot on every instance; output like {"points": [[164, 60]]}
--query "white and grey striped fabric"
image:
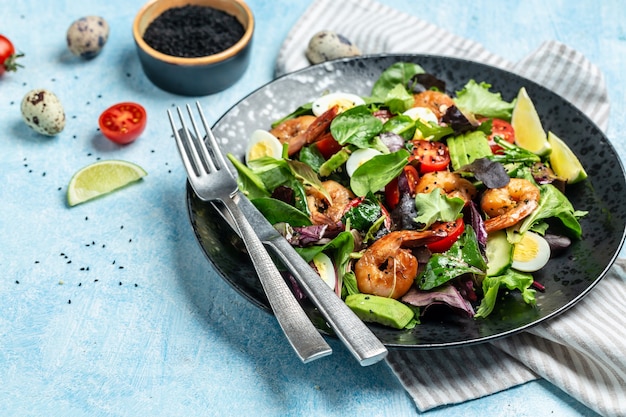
{"points": [[579, 352]]}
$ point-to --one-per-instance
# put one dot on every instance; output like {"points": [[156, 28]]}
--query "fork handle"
{"points": [[296, 325], [354, 334]]}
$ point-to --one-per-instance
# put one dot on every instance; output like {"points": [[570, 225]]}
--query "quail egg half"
{"points": [[344, 101], [263, 143]]}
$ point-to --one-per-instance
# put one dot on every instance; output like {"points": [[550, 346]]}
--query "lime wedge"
{"points": [[101, 178], [564, 162], [529, 133]]}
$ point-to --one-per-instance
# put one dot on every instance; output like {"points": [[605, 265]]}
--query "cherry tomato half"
{"points": [[500, 128], [328, 146], [430, 156], [392, 190], [454, 230], [123, 122]]}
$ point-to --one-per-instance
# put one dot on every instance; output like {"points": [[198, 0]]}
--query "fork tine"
{"points": [[200, 145], [215, 147], [182, 149]]}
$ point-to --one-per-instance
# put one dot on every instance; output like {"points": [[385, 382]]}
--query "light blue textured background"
{"points": [[150, 329]]}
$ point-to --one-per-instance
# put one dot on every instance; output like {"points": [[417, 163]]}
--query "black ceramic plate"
{"points": [[567, 278]]}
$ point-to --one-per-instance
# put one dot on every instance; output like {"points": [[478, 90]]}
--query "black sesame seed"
{"points": [[69, 301], [17, 282]]}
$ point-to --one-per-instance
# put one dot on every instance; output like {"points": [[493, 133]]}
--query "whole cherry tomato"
{"points": [[123, 122], [8, 56]]}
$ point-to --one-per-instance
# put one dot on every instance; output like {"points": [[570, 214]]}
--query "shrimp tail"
{"points": [[315, 130], [514, 216]]}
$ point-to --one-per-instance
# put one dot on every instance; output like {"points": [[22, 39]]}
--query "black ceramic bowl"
{"points": [[567, 277], [194, 76]]}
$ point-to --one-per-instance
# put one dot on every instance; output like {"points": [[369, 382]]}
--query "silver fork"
{"points": [[211, 180]]}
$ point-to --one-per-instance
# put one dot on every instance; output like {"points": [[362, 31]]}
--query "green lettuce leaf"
{"points": [[436, 206], [553, 203], [477, 99], [512, 280]]}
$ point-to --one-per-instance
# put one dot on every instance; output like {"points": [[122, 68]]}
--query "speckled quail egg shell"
{"points": [[87, 36], [43, 112], [327, 45]]}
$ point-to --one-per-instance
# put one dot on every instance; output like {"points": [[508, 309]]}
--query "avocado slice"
{"points": [[381, 310]]}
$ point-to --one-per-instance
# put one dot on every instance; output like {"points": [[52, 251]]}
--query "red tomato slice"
{"points": [[500, 128], [328, 146], [454, 230], [123, 122], [431, 156], [392, 190], [392, 194]]}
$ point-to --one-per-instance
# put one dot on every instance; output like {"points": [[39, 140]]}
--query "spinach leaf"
{"points": [[377, 172], [248, 182], [276, 211], [356, 126], [398, 73], [398, 99], [300, 111], [433, 131], [311, 156], [464, 257], [363, 215], [401, 125]]}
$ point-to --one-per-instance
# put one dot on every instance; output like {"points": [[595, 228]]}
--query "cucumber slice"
{"points": [[499, 252], [382, 310]]}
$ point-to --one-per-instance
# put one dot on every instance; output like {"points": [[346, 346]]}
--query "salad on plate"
{"points": [[413, 197]]}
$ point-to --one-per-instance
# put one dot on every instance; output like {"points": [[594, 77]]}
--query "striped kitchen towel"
{"points": [[575, 351]]}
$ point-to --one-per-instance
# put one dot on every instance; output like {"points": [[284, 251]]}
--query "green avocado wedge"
{"points": [[382, 310]]}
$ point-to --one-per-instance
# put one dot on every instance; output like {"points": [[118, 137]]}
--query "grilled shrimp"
{"points": [[453, 185], [508, 205], [303, 130], [436, 101], [324, 211], [388, 268]]}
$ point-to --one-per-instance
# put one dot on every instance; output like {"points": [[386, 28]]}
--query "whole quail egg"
{"points": [[327, 45], [86, 36], [43, 112]]}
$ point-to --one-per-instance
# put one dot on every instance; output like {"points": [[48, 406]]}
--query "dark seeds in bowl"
{"points": [[193, 31]]}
